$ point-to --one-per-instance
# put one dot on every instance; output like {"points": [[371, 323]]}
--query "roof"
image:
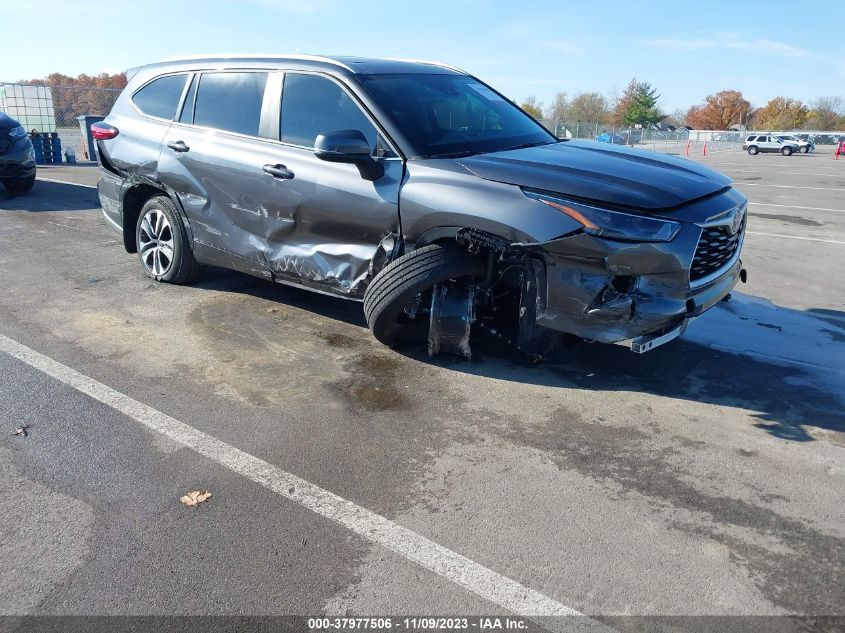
{"points": [[353, 65]]}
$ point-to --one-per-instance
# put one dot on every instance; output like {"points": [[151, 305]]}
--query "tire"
{"points": [[805, 149], [19, 185], [160, 228], [401, 281], [786, 151], [753, 151]]}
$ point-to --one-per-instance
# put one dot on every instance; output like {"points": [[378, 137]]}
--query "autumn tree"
{"points": [[677, 118], [533, 107], [588, 107], [558, 111], [782, 113], [719, 111], [84, 94], [826, 113], [638, 105]]}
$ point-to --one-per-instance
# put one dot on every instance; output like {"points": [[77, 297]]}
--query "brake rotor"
{"points": [[451, 318]]}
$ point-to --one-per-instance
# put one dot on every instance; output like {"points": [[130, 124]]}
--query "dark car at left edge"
{"points": [[17, 156]]}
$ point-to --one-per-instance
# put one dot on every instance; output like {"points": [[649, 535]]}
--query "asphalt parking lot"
{"points": [[704, 478]]}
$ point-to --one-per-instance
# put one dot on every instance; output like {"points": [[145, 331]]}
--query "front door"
{"points": [[328, 222]]}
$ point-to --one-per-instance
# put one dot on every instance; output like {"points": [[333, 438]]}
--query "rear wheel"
{"points": [[163, 246], [397, 304], [19, 185], [786, 151], [753, 150]]}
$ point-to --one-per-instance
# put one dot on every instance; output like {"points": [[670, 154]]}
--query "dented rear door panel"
{"points": [[320, 228]]}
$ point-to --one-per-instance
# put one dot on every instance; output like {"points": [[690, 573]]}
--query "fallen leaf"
{"points": [[194, 497]]}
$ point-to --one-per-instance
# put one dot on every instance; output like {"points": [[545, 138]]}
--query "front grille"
{"points": [[715, 249]]}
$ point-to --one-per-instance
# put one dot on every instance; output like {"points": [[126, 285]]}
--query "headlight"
{"points": [[17, 132], [613, 225]]}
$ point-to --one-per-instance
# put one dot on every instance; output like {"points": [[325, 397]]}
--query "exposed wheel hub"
{"points": [[451, 318]]}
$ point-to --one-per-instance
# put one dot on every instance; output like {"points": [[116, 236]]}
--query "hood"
{"points": [[7, 122], [600, 172]]}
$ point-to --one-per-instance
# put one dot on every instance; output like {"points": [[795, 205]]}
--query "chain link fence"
{"points": [[56, 109], [681, 141], [46, 109]]}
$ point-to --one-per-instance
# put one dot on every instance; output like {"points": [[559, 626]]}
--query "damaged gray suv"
{"points": [[419, 190]]}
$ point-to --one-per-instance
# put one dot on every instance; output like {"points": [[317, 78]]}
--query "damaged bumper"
{"points": [[609, 292]]}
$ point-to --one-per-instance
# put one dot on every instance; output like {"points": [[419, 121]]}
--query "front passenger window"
{"points": [[313, 105]]}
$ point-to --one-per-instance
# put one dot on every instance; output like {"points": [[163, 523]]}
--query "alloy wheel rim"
{"points": [[156, 242]]}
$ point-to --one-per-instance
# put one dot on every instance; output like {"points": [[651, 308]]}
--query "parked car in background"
{"points": [[294, 168], [17, 156], [757, 143], [804, 145], [607, 137]]}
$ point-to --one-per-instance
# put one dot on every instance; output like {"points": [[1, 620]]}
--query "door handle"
{"points": [[178, 146], [278, 171]]}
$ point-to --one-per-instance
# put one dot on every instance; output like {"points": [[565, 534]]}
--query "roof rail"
{"points": [[210, 56], [430, 63]]}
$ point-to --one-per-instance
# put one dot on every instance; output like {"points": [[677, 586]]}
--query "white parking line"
{"points": [[796, 237], [490, 585], [66, 182], [767, 164], [783, 173], [760, 184], [792, 206]]}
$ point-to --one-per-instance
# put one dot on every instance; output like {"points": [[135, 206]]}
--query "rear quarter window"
{"points": [[160, 97]]}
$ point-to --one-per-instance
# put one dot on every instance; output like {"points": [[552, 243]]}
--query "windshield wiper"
{"points": [[461, 154], [524, 145]]}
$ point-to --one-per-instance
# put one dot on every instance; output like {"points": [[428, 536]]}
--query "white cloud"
{"points": [[732, 41], [294, 6], [565, 47], [740, 41]]}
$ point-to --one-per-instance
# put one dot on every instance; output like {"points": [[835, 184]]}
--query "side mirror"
{"points": [[348, 146]]}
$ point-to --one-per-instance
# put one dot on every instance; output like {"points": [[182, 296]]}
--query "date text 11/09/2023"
{"points": [[479, 623]]}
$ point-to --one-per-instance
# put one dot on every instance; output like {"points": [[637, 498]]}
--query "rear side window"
{"points": [[313, 105], [159, 98], [230, 101]]}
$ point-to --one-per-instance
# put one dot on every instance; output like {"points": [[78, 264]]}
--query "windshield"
{"points": [[452, 115]]}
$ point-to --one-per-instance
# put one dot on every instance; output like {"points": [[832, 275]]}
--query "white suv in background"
{"points": [[804, 145], [756, 143]]}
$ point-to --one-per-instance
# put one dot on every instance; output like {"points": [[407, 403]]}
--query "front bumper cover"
{"points": [[612, 291], [18, 161]]}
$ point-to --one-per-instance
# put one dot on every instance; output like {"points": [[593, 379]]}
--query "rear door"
{"points": [[213, 157]]}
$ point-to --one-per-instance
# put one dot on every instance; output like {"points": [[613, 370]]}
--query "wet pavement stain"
{"points": [[372, 384], [338, 340], [805, 574], [792, 219]]}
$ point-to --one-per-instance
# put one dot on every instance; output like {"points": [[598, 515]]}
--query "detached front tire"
{"points": [[163, 245], [396, 301]]}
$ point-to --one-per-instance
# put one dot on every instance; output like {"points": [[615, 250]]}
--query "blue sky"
{"points": [[686, 49]]}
